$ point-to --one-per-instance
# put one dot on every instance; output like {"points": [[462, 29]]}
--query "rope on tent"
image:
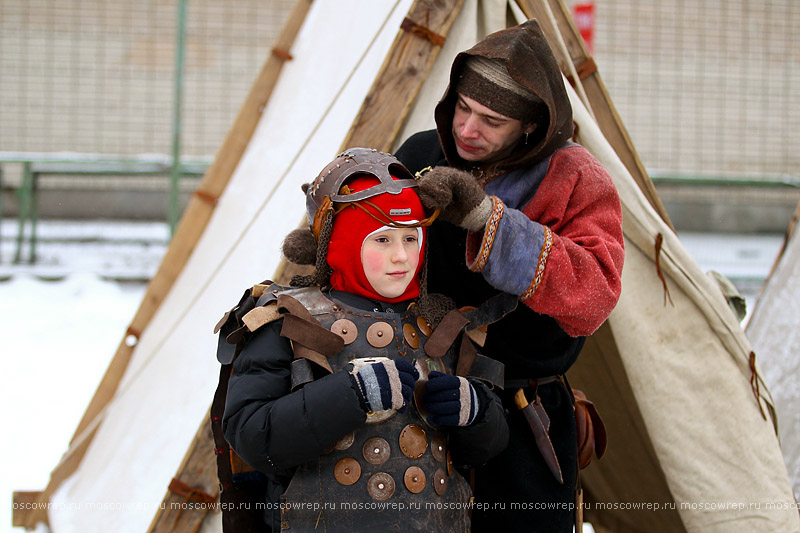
{"points": [[190, 493], [659, 243], [754, 383]]}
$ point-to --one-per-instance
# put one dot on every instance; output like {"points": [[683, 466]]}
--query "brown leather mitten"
{"points": [[459, 196]]}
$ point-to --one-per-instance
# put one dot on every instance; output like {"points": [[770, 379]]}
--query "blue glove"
{"points": [[450, 400], [385, 385]]}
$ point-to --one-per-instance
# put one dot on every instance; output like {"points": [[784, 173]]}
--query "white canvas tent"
{"points": [[669, 372], [774, 330]]}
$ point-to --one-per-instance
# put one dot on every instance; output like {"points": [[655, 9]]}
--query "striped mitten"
{"points": [[450, 400], [385, 385]]}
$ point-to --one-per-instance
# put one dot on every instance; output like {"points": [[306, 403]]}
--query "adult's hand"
{"points": [[458, 194]]}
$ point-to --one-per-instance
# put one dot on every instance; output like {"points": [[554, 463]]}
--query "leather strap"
{"points": [[466, 357], [421, 31], [221, 447], [309, 339], [513, 383], [301, 373], [488, 370], [311, 335], [491, 310], [190, 493], [446, 334]]}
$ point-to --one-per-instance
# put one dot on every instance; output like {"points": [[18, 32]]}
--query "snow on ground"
{"points": [[62, 319], [112, 249], [57, 340], [60, 325], [746, 260]]}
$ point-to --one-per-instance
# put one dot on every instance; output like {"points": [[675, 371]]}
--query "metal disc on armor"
{"points": [[411, 336], [423, 326], [380, 334], [347, 471], [380, 486], [439, 481], [346, 329], [413, 441], [376, 450], [345, 442], [414, 479], [438, 447]]}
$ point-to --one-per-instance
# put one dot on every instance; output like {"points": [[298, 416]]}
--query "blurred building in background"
{"points": [[709, 91]]}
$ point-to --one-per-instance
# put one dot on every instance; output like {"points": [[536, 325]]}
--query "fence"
{"points": [[708, 89], [97, 76], [705, 87], [94, 81]]}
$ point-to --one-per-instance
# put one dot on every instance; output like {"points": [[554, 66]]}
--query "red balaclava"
{"points": [[352, 225]]}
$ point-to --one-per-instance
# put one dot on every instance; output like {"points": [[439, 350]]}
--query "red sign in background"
{"points": [[583, 13]]}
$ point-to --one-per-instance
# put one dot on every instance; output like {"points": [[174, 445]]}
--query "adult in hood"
{"points": [[316, 429], [527, 212]]}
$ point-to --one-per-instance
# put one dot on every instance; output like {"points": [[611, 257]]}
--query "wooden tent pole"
{"points": [[377, 124], [567, 62], [197, 471], [193, 223], [602, 106], [401, 75]]}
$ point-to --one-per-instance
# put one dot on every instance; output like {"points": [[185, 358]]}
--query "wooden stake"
{"points": [[400, 78]]}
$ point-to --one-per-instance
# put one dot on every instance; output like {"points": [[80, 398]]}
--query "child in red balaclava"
{"points": [[374, 260], [346, 426]]}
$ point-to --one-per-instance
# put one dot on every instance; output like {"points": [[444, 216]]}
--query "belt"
{"points": [[521, 383]]}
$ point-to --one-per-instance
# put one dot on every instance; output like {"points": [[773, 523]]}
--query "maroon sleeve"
{"points": [[581, 281]]}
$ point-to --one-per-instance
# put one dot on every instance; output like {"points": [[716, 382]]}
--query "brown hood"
{"points": [[531, 63]]}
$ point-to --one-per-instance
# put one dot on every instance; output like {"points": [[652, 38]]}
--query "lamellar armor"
{"points": [[396, 466]]}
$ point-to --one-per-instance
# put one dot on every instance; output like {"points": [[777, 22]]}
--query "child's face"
{"points": [[390, 258]]}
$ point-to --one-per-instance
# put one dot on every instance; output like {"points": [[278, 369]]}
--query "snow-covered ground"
{"points": [[62, 319], [57, 340], [746, 260]]}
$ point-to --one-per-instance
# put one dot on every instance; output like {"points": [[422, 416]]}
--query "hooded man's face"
{"points": [[483, 135]]}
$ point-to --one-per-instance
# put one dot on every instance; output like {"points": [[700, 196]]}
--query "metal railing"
{"points": [[36, 164]]}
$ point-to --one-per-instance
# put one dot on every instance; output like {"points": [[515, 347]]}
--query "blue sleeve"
{"points": [[507, 262]]}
